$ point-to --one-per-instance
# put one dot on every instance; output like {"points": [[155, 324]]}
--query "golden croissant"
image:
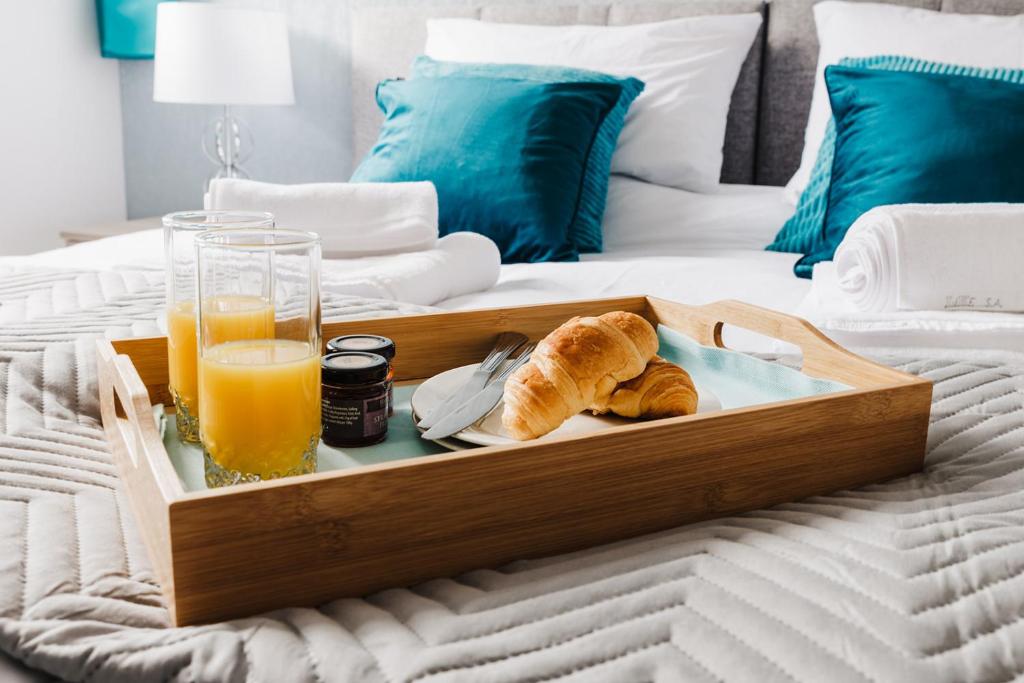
{"points": [[583, 359], [663, 389]]}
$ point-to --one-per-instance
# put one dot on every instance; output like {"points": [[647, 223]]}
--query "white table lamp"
{"points": [[211, 54]]}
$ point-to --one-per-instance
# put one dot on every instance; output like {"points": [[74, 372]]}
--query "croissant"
{"points": [[663, 389], [581, 360]]}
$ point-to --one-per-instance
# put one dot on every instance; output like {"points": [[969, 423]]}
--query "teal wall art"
{"points": [[127, 28]]}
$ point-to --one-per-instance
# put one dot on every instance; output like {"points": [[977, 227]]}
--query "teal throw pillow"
{"points": [[585, 231], [508, 156], [804, 232]]}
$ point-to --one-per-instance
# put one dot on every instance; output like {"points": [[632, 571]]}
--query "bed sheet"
{"points": [[761, 278], [141, 250], [679, 245], [640, 219], [757, 277], [670, 243]]}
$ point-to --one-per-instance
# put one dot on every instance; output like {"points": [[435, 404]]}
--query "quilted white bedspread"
{"points": [[919, 579]]}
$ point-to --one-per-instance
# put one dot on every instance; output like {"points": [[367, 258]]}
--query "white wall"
{"points": [[61, 154]]}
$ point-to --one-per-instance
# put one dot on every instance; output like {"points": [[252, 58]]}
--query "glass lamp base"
{"points": [[227, 142], [217, 476]]}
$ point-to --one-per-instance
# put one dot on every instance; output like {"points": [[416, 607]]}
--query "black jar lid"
{"points": [[353, 367], [366, 343]]}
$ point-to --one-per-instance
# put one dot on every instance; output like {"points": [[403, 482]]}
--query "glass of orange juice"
{"points": [[180, 230], [259, 377]]}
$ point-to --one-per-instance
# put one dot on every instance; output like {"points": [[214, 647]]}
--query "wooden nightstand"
{"points": [[108, 230]]}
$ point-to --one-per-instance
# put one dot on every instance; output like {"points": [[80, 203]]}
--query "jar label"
{"points": [[375, 416], [354, 419]]}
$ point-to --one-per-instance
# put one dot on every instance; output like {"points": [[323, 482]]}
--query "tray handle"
{"points": [[127, 415], [822, 357]]}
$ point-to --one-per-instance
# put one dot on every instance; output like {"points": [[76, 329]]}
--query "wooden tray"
{"points": [[241, 550]]}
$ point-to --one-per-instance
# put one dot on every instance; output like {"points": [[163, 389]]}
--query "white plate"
{"points": [[490, 432]]}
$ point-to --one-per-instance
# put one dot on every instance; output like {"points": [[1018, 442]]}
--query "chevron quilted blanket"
{"points": [[919, 579]]}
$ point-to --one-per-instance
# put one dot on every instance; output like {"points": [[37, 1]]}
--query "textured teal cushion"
{"points": [[585, 232], [804, 232], [508, 156]]}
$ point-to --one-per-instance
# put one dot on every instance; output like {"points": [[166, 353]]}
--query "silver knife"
{"points": [[507, 343], [480, 404]]}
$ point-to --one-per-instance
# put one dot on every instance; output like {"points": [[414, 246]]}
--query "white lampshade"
{"points": [[211, 54]]}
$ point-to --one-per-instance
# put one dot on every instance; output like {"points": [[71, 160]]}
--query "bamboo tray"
{"points": [[241, 550]]}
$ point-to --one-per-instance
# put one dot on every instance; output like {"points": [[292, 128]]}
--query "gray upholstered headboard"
{"points": [[770, 103]]}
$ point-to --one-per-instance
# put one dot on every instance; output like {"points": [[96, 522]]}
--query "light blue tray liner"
{"points": [[403, 442], [738, 380]]}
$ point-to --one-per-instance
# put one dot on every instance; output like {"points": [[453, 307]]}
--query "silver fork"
{"points": [[478, 405], [505, 345]]}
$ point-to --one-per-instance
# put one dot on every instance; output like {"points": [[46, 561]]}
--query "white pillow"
{"points": [[675, 129], [862, 29]]}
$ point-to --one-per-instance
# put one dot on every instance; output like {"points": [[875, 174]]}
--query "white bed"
{"points": [[916, 580], [661, 241], [669, 243]]}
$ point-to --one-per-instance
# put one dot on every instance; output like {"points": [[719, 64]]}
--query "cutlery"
{"points": [[506, 344], [478, 405]]}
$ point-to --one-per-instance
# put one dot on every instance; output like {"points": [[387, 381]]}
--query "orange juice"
{"points": [[181, 353], [226, 318], [259, 404]]}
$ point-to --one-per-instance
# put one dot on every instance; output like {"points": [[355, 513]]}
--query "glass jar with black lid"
{"points": [[354, 398], [370, 343]]}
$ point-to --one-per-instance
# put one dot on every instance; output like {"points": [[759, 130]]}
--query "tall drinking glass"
{"points": [[259, 394], [180, 230]]}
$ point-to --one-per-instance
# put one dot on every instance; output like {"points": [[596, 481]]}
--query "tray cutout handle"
{"points": [[117, 405], [127, 415], [822, 357]]}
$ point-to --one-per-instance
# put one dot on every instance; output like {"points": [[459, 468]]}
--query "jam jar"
{"points": [[354, 398], [370, 343]]}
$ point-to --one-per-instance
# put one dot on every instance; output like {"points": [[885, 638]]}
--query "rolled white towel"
{"points": [[461, 263], [915, 257], [352, 219]]}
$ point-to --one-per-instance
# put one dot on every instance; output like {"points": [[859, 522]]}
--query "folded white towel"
{"points": [[352, 219], [827, 307], [461, 263], [935, 257]]}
